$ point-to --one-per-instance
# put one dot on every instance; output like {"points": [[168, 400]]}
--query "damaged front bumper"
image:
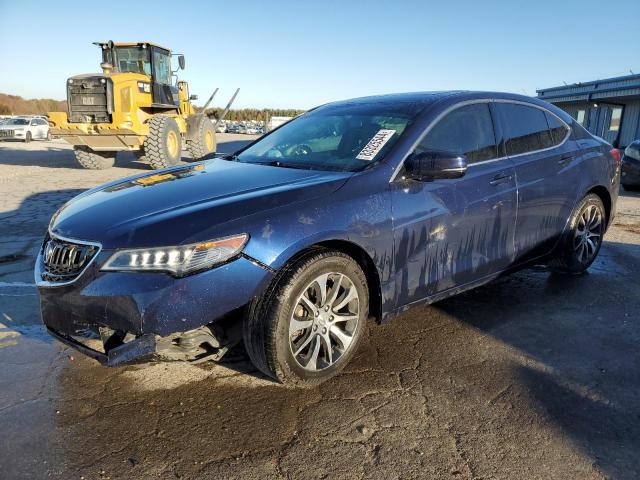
{"points": [[203, 344], [131, 317]]}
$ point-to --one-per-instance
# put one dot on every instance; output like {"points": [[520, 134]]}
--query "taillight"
{"points": [[617, 155]]}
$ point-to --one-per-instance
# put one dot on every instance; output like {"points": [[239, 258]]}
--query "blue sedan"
{"points": [[357, 209]]}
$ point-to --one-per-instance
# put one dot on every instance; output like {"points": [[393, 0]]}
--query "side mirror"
{"points": [[435, 164], [193, 97], [181, 61]]}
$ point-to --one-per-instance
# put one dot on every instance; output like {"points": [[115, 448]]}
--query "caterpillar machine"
{"points": [[134, 106]]}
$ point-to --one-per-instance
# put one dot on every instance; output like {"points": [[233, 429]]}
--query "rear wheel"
{"points": [[163, 145], [306, 328], [48, 137], [203, 139], [27, 137], [583, 239], [91, 160]]}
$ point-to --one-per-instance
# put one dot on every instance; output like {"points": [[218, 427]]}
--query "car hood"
{"points": [[12, 127], [180, 205]]}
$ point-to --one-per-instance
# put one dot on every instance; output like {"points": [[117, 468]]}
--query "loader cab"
{"points": [[150, 60]]}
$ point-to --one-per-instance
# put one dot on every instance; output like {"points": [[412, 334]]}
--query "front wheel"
{"points": [[582, 241], [307, 326], [27, 137], [163, 145]]}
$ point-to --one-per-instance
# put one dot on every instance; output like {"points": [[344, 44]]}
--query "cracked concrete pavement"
{"points": [[532, 376]]}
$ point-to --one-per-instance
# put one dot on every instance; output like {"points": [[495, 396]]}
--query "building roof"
{"points": [[627, 86]]}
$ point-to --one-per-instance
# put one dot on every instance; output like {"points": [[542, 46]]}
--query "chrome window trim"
{"points": [[39, 261], [473, 102]]}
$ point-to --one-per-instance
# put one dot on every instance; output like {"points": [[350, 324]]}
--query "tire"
{"points": [[91, 160], [288, 355], [48, 137], [576, 253], [203, 138], [27, 137], [163, 145]]}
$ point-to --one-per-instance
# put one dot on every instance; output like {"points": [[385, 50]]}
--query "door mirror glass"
{"points": [[435, 164], [181, 61]]}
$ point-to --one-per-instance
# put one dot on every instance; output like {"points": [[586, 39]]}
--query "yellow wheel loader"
{"points": [[134, 106]]}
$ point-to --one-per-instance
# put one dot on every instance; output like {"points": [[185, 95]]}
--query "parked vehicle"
{"points": [[631, 166], [25, 129], [356, 209]]}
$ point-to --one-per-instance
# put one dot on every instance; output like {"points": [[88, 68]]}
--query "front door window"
{"points": [[161, 67]]}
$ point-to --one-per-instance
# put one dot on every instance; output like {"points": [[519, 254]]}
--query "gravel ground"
{"points": [[532, 376]]}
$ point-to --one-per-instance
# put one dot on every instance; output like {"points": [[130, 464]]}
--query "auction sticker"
{"points": [[378, 141]]}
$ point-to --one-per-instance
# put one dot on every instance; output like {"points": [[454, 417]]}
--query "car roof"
{"points": [[430, 97], [451, 96]]}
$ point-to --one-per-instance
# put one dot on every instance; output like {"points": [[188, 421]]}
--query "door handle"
{"points": [[500, 178], [566, 159]]}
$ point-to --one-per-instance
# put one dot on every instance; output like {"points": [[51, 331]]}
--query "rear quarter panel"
{"points": [[597, 168]]}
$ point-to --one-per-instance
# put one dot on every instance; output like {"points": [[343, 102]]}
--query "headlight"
{"points": [[181, 260], [144, 87]]}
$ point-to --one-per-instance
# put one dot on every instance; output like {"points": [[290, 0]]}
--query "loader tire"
{"points": [[163, 145], [203, 139], [91, 160]]}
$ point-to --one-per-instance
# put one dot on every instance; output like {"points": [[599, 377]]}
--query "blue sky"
{"points": [[303, 53]]}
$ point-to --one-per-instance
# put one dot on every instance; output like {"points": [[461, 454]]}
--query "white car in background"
{"points": [[26, 129]]}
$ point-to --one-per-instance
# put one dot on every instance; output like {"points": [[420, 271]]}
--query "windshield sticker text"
{"points": [[374, 146]]}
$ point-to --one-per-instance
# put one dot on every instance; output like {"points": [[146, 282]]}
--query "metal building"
{"points": [[608, 108]]}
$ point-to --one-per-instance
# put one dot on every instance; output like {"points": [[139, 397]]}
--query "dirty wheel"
{"points": [[94, 160], [583, 239], [203, 140], [163, 145], [27, 137], [306, 327]]}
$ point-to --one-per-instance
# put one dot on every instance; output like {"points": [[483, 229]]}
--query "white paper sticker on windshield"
{"points": [[378, 141]]}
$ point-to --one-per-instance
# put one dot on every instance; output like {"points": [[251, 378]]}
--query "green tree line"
{"points": [[253, 113]]}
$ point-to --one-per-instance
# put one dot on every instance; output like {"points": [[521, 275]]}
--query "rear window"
{"points": [[558, 129], [526, 128]]}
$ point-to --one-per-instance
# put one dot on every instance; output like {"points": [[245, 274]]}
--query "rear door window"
{"points": [[466, 130], [558, 129], [526, 128]]}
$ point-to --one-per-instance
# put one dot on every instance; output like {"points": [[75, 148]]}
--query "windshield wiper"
{"points": [[277, 163]]}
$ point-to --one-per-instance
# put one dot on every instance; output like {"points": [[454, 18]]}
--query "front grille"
{"points": [[7, 133], [88, 100], [64, 261]]}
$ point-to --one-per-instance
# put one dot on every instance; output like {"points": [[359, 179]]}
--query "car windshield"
{"points": [[18, 121], [347, 137], [133, 59]]}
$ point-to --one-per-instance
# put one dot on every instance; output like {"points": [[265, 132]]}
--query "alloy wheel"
{"points": [[588, 234], [323, 322]]}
